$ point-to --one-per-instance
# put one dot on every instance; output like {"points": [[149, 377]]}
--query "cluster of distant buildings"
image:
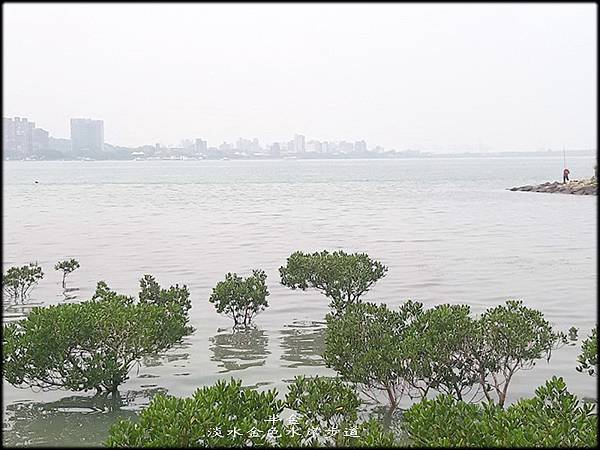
{"points": [[23, 140], [298, 147]]}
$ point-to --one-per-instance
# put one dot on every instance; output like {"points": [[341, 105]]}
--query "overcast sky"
{"points": [[437, 76]]}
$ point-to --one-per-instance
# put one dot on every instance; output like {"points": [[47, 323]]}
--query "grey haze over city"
{"points": [[441, 78]]}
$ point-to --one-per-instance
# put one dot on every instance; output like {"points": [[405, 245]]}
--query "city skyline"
{"points": [[441, 77], [23, 140]]}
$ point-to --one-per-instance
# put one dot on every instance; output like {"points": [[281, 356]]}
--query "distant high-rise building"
{"points": [[40, 140], [17, 137], [299, 146], [226, 147], [291, 147], [243, 145], [360, 147], [255, 146], [87, 135], [187, 144], [313, 146], [275, 149], [201, 146], [345, 147]]}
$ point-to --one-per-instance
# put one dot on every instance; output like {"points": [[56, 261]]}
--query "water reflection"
{"points": [[13, 311], [303, 343], [70, 293], [176, 353], [67, 296], [60, 423], [239, 349]]}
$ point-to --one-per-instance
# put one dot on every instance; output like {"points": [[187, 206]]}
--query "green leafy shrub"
{"points": [[226, 415], [364, 345], [90, 345], [331, 405], [553, 418], [588, 358], [207, 419], [323, 402], [241, 298], [511, 338], [18, 282], [573, 334], [151, 292], [438, 349], [411, 351], [67, 266], [342, 277]]}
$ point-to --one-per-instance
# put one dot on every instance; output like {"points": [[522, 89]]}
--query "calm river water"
{"points": [[448, 230]]}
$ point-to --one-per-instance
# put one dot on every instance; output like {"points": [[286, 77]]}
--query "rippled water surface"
{"points": [[448, 230]]}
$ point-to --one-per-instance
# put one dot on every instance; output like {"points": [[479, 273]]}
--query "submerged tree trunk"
{"points": [[391, 398], [387, 418]]}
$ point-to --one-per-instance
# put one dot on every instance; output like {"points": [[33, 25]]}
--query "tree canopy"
{"points": [[511, 337], [89, 345], [364, 345], [228, 415], [18, 282], [588, 358], [241, 298], [438, 350], [67, 266], [340, 276], [552, 418]]}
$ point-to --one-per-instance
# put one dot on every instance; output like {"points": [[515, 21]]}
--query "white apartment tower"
{"points": [[87, 135], [299, 145]]}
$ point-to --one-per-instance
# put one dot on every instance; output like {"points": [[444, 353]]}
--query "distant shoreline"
{"points": [[464, 155]]}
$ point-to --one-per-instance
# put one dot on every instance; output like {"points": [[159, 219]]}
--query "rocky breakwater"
{"points": [[576, 187]]}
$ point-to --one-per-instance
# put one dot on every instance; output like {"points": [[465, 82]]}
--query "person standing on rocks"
{"points": [[566, 175]]}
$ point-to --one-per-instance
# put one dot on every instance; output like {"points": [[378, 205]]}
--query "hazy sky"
{"points": [[436, 76]]}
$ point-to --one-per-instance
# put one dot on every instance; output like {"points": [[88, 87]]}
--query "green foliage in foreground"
{"points": [[323, 402], [90, 345], [511, 338], [588, 358], [226, 414], [67, 266], [413, 351], [17, 282], [364, 345], [553, 418], [340, 276], [241, 298], [438, 348]]}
